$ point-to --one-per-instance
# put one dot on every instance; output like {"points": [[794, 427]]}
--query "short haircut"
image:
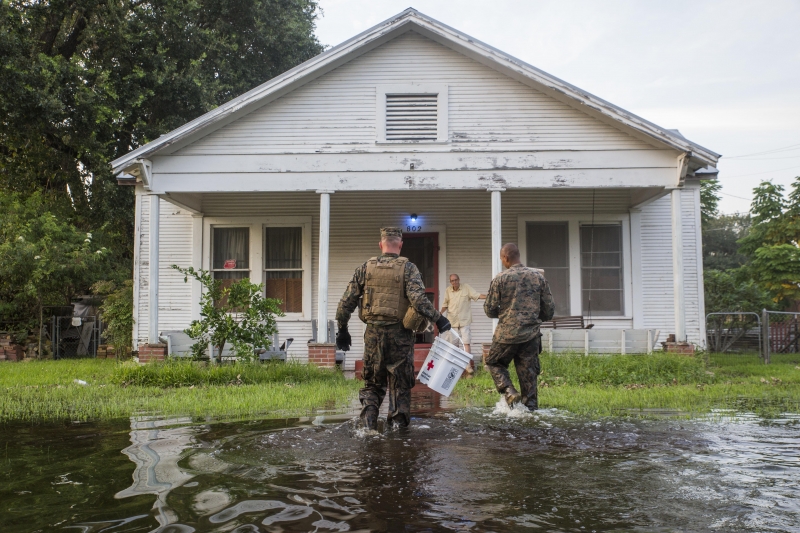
{"points": [[392, 240], [456, 275], [511, 251]]}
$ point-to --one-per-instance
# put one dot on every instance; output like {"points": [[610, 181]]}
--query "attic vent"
{"points": [[411, 117]]}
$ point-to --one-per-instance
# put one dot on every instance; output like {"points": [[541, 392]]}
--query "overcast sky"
{"points": [[725, 73]]}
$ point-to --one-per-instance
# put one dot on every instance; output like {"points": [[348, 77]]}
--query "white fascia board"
{"points": [[453, 38]]}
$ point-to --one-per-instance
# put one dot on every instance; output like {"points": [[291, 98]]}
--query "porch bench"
{"points": [[566, 322], [275, 353], [179, 344]]}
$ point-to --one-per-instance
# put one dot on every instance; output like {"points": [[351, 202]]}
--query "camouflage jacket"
{"points": [[520, 297], [415, 292]]}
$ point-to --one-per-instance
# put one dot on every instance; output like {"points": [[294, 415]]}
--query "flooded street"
{"points": [[470, 469]]}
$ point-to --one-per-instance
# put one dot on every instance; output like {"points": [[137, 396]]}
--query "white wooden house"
{"points": [[413, 123]]}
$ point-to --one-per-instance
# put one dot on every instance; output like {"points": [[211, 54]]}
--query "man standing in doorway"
{"points": [[385, 287], [457, 301], [520, 297]]}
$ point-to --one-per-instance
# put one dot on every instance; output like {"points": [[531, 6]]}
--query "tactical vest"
{"points": [[384, 291]]}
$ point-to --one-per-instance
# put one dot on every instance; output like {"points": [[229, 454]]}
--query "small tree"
{"points": [[237, 313], [773, 243]]}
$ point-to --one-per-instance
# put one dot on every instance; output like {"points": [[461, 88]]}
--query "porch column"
{"points": [[677, 267], [497, 237], [152, 334], [497, 234], [324, 248]]}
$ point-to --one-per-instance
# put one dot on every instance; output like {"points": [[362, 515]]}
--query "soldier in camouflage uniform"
{"points": [[384, 296], [520, 297]]}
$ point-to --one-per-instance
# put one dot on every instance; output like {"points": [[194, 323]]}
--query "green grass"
{"points": [[46, 390], [587, 385], [642, 384]]}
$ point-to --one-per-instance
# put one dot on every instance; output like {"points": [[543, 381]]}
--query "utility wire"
{"points": [[759, 173], [789, 148]]}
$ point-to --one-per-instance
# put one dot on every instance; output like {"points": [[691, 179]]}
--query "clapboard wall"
{"points": [[337, 111]]}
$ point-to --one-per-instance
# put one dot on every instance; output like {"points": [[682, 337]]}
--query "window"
{"points": [[547, 248], [601, 269], [231, 254], [412, 113], [283, 267]]}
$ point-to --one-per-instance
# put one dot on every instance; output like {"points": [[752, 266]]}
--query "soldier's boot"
{"points": [[370, 418], [531, 403], [512, 396]]}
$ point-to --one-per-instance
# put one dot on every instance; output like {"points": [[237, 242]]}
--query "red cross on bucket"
{"points": [[430, 365]]}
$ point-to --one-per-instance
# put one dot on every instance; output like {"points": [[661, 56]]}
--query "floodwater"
{"points": [[473, 469]]}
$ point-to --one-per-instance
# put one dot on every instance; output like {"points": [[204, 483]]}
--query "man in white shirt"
{"points": [[457, 301]]}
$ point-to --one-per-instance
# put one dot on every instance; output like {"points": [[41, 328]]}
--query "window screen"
{"points": [[283, 267], [548, 248], [601, 269]]}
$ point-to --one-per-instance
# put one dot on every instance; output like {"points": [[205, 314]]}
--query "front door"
{"points": [[422, 249]]}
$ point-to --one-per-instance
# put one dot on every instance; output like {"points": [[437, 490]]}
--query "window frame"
{"points": [[568, 268], [574, 222], [257, 225], [439, 89], [621, 266]]}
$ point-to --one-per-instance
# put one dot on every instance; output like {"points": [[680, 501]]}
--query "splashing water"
{"points": [[517, 410]]}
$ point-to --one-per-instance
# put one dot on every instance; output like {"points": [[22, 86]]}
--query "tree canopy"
{"points": [[754, 258], [83, 82]]}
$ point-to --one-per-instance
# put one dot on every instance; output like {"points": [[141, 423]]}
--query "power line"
{"points": [[771, 151], [734, 196], [768, 158], [759, 173]]}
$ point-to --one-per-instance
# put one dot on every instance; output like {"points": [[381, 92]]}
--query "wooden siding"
{"points": [[141, 281], [175, 248], [337, 112], [465, 216], [656, 266]]}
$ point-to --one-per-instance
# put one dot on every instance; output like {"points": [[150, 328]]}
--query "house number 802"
{"points": [[413, 228]]}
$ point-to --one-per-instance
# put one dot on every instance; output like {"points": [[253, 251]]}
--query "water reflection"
{"points": [[156, 448], [453, 470]]}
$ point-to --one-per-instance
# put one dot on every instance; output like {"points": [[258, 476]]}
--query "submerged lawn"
{"points": [[641, 384], [595, 385]]}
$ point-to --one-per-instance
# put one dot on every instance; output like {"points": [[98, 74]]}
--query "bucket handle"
{"points": [[452, 331]]}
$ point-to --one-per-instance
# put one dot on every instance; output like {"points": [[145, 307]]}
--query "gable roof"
{"points": [[450, 37]]}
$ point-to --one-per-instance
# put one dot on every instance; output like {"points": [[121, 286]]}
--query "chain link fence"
{"points": [[750, 334], [75, 336], [738, 335]]}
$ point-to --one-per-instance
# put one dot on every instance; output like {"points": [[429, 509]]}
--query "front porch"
{"points": [[457, 231]]}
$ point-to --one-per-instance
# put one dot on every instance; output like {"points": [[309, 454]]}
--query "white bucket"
{"points": [[443, 367]]}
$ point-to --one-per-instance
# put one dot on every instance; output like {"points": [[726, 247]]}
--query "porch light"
{"points": [[413, 217]]}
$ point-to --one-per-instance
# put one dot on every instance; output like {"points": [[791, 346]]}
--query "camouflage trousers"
{"points": [[388, 361], [526, 360]]}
